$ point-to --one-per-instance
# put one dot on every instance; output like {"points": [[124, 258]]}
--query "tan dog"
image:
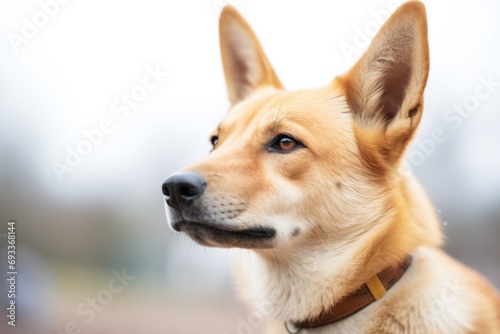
{"points": [[341, 241]]}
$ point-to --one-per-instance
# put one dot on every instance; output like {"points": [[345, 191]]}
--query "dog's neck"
{"points": [[373, 290], [296, 286], [298, 283]]}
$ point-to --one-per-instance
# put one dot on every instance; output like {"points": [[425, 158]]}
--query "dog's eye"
{"points": [[214, 140], [284, 144]]}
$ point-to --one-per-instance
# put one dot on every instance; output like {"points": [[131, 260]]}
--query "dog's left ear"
{"points": [[385, 87], [246, 67]]}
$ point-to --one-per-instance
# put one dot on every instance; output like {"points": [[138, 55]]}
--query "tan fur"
{"points": [[341, 208]]}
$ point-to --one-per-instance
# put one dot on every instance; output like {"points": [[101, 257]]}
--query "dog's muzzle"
{"points": [[207, 221]]}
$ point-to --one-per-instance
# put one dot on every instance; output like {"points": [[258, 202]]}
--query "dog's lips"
{"points": [[210, 234]]}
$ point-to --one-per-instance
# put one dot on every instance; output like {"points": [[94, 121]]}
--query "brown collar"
{"points": [[372, 290]]}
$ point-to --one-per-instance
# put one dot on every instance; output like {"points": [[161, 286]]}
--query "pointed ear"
{"points": [[385, 87], [246, 67]]}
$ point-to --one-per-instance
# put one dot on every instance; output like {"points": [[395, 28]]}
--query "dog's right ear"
{"points": [[246, 67]]}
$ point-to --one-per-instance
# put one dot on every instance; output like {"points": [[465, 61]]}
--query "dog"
{"points": [[342, 239]]}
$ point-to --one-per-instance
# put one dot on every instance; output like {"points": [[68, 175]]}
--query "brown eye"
{"points": [[214, 140], [286, 144]]}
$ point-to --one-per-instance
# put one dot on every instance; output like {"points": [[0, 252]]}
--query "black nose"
{"points": [[183, 188]]}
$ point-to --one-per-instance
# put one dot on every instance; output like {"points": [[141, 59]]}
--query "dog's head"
{"points": [[290, 166]]}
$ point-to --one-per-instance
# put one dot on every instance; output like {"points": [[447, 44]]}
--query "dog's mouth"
{"points": [[211, 235]]}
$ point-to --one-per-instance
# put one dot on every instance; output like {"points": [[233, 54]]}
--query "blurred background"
{"points": [[101, 100]]}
